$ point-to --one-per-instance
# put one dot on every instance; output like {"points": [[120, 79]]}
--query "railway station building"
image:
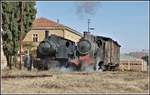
{"points": [[40, 25]]}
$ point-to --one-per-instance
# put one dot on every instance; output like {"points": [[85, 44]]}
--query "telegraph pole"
{"points": [[21, 25], [89, 28], [88, 25]]}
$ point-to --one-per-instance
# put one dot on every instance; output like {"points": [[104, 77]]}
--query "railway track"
{"points": [[25, 76], [41, 75], [38, 76], [80, 73]]}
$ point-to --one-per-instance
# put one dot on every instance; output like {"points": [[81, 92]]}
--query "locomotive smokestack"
{"points": [[87, 35], [46, 34]]}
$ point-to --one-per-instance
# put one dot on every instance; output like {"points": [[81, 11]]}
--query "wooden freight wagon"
{"points": [[111, 52]]}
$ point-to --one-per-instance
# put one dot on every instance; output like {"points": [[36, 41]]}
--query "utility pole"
{"points": [[21, 23], [88, 25]]}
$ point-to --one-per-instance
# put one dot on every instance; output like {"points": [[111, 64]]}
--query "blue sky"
{"points": [[125, 22]]}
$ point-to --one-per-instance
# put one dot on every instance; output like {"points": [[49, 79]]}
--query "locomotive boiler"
{"points": [[97, 53]]}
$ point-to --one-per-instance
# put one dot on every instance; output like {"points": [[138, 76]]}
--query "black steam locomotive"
{"points": [[53, 52], [91, 53]]}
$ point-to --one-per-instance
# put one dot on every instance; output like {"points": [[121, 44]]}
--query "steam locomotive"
{"points": [[101, 52], [91, 53], [54, 51]]}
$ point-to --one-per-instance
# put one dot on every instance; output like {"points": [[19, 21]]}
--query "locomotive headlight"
{"points": [[84, 46]]}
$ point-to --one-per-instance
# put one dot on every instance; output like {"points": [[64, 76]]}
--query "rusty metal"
{"points": [[107, 55]]}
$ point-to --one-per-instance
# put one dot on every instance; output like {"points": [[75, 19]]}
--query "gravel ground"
{"points": [[75, 82]]}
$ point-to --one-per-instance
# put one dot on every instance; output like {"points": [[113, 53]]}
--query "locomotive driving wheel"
{"points": [[102, 67]]}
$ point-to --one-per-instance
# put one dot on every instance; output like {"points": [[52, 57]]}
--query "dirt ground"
{"points": [[75, 82]]}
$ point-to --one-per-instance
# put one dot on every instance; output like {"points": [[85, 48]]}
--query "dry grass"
{"points": [[96, 82]]}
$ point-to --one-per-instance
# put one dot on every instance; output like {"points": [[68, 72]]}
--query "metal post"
{"points": [[89, 28], [88, 25], [21, 22]]}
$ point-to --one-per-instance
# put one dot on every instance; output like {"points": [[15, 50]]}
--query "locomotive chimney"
{"points": [[46, 34], [87, 35]]}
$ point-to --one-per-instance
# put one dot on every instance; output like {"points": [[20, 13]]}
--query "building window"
{"points": [[35, 37]]}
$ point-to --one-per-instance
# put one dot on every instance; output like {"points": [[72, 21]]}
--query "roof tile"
{"points": [[43, 22]]}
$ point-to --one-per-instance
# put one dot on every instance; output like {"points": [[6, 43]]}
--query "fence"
{"points": [[134, 65]]}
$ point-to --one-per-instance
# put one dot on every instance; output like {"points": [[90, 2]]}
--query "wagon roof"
{"points": [[107, 38]]}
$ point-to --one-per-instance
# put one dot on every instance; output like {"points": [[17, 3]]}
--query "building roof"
{"points": [[138, 54], [44, 23], [74, 31]]}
